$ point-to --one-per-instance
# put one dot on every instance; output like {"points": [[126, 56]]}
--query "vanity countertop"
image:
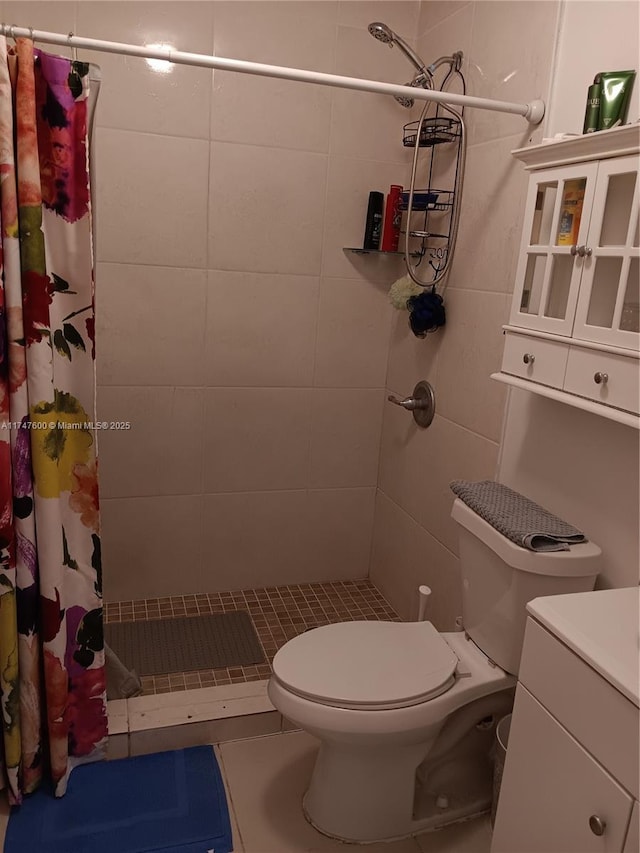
{"points": [[601, 627]]}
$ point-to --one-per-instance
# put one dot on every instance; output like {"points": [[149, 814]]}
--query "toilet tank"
{"points": [[499, 578]]}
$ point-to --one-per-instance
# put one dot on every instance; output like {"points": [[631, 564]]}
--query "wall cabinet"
{"points": [[574, 327]]}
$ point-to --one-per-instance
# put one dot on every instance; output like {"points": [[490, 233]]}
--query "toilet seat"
{"points": [[367, 665]]}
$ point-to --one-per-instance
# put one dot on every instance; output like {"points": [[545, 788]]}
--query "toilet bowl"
{"points": [[377, 712], [405, 715]]}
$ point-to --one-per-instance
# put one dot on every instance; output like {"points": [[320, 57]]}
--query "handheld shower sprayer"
{"points": [[423, 77], [424, 73], [386, 35]]}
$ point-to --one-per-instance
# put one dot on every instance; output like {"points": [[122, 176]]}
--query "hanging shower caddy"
{"points": [[433, 211]]}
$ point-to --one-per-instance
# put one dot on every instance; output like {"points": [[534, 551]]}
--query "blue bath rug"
{"points": [[173, 802]]}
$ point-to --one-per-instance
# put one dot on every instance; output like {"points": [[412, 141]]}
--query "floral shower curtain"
{"points": [[52, 680]]}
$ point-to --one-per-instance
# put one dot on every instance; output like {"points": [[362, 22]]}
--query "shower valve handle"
{"points": [[409, 403], [422, 403]]}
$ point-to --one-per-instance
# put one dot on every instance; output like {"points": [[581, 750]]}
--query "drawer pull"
{"points": [[597, 825], [600, 378], [528, 358]]}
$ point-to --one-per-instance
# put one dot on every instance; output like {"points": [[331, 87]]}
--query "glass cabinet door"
{"points": [[608, 308], [556, 223]]}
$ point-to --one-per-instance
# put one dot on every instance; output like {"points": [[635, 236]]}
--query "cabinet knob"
{"points": [[600, 378], [528, 358], [597, 825], [574, 250]]}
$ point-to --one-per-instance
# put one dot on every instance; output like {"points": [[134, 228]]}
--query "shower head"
{"points": [[381, 32], [386, 35], [405, 102], [420, 81]]}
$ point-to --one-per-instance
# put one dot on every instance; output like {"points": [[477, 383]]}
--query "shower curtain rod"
{"points": [[533, 111]]}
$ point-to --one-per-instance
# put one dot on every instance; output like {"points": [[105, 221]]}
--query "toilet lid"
{"points": [[367, 665]]}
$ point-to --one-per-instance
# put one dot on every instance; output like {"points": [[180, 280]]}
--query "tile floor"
{"points": [[278, 613], [266, 778]]}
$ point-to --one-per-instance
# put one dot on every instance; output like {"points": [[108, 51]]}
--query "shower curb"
{"points": [[160, 722]]}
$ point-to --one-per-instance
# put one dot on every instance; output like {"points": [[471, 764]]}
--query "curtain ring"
{"points": [[74, 50], [31, 33]]}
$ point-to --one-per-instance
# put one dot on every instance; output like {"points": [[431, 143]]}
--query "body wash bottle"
{"points": [[373, 228], [592, 113]]}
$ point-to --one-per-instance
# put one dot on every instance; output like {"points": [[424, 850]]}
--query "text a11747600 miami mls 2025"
{"points": [[73, 425]]}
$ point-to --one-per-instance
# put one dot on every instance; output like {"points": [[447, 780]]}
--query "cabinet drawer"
{"points": [[622, 388], [549, 359], [603, 720]]}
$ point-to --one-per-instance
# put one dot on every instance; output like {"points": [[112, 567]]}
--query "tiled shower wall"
{"points": [[246, 349], [508, 49]]}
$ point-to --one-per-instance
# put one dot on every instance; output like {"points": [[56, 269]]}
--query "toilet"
{"points": [[406, 715]]}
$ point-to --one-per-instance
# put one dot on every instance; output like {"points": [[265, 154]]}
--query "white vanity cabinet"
{"points": [[570, 782], [574, 327]]}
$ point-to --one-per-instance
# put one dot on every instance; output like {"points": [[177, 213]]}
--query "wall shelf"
{"points": [[357, 251], [619, 415]]}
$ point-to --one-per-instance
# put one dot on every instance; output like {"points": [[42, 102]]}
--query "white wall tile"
{"points": [[59, 17], [260, 329], [289, 33], [161, 454], [341, 525], [471, 350], [266, 111], [404, 556], [354, 325], [151, 198], [411, 359], [519, 71], [256, 539], [256, 439], [448, 33], [152, 546], [434, 11], [270, 112], [417, 465], [266, 208], [400, 15], [134, 96], [165, 307], [345, 437]]}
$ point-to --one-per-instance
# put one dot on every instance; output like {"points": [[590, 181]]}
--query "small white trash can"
{"points": [[502, 740]]}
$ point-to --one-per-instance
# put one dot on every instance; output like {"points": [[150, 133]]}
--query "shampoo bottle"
{"points": [[392, 220], [373, 228]]}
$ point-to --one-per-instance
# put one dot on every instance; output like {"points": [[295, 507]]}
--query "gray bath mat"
{"points": [[159, 646]]}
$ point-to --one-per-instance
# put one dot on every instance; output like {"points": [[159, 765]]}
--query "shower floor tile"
{"points": [[278, 613]]}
